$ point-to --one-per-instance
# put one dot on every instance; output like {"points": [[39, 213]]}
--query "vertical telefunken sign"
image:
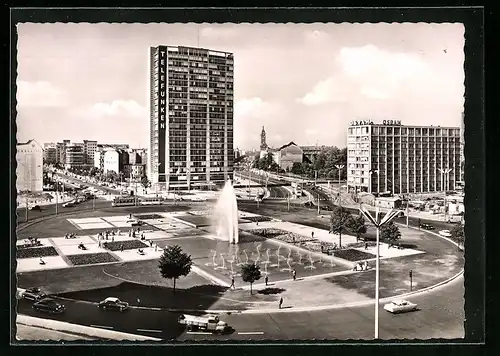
{"points": [[162, 106]]}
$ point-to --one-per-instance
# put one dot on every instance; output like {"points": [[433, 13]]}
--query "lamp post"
{"points": [[445, 176], [318, 203], [339, 168], [375, 221]]}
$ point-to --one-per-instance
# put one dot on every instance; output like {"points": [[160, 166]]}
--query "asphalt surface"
{"points": [[274, 191], [440, 315]]}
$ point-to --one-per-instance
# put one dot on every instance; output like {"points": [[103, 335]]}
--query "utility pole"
{"points": [[288, 201], [339, 168]]}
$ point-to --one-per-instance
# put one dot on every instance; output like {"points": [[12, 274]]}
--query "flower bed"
{"points": [[36, 252], [127, 245], [281, 235], [147, 216], [91, 258], [362, 244], [257, 218], [353, 255], [29, 245]]}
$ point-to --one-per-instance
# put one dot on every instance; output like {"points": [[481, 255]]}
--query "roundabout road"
{"points": [[440, 315]]}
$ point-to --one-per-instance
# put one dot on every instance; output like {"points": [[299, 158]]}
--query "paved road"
{"points": [[441, 315], [275, 192]]}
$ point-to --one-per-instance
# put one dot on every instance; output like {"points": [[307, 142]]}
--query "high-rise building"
{"points": [[191, 117], [61, 151], [75, 156], [390, 157], [49, 153], [89, 148], [29, 171]]}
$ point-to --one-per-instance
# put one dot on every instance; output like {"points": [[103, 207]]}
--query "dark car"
{"points": [[36, 207], [327, 208], [309, 203], [34, 294], [138, 223], [112, 303], [427, 226], [49, 305]]}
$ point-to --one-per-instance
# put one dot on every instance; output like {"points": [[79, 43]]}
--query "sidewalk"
{"points": [[35, 333], [62, 198]]}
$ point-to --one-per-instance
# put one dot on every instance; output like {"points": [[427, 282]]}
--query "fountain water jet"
{"points": [[226, 215]]}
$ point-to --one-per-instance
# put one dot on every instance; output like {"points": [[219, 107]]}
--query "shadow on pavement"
{"points": [[268, 291], [201, 297]]}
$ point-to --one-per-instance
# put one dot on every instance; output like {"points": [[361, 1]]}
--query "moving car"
{"points": [[206, 323], [112, 303], [69, 204], [426, 226], [445, 233], [48, 305], [36, 207], [400, 306], [34, 294]]}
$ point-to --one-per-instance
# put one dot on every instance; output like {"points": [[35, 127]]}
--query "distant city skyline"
{"points": [[303, 83]]}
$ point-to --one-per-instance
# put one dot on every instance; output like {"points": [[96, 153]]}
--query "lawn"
{"points": [[353, 255], [257, 218], [127, 245], [36, 252], [91, 258]]}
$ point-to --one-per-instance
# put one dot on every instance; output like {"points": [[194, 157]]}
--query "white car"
{"points": [[445, 233], [400, 306]]}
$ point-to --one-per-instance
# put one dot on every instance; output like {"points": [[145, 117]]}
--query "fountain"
{"points": [[214, 255], [299, 255], [257, 260], [223, 261], [226, 215], [246, 256], [277, 264], [311, 263], [266, 262]]}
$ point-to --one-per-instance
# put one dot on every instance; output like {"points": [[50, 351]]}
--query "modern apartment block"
{"points": [[75, 157], [89, 148], [390, 157], [191, 117], [49, 153]]}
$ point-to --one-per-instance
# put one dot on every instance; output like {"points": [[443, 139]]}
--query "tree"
{"points": [[145, 182], [458, 234], [339, 220], [390, 232], [250, 272], [174, 263], [357, 226], [297, 168]]}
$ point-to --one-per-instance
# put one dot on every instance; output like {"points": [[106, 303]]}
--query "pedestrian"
{"points": [[232, 283], [312, 234], [366, 245], [266, 280], [121, 248], [156, 247], [294, 274], [322, 249], [99, 243], [281, 302], [366, 266], [129, 233], [151, 243]]}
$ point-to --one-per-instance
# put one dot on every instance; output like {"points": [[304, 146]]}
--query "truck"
{"points": [[210, 323]]}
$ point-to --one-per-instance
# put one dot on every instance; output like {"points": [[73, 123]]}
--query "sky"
{"points": [[303, 82]]}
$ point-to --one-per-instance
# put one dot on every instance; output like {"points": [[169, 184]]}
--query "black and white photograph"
{"points": [[190, 182]]}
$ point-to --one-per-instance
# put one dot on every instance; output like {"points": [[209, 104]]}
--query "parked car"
{"points": [[34, 294], [309, 203], [112, 303], [427, 226], [400, 306], [69, 204], [135, 222], [49, 305], [445, 233], [327, 208], [36, 208]]}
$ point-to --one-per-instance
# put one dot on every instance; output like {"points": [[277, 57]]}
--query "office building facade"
{"points": [[191, 117], [89, 148], [29, 170], [393, 158], [49, 153], [75, 157]]}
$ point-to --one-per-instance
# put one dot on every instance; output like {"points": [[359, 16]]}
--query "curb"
{"points": [[80, 329]]}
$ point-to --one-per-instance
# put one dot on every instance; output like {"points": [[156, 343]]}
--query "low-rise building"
{"points": [[388, 203], [289, 154], [29, 170]]}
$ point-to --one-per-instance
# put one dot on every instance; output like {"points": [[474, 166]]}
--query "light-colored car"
{"points": [[445, 233], [400, 306]]}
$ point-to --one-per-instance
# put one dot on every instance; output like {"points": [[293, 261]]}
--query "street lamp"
{"points": [[339, 168], [445, 177], [375, 221]]}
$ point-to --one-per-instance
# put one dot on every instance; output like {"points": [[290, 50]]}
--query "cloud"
{"points": [[326, 91], [252, 107], [39, 94], [123, 108], [310, 132], [315, 35]]}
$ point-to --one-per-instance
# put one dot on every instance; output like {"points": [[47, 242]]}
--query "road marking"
{"points": [[101, 326], [150, 331], [198, 332], [251, 333]]}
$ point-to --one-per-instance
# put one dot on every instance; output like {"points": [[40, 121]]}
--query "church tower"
{"points": [[263, 144]]}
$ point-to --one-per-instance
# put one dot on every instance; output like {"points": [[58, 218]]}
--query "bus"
{"points": [[124, 201]]}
